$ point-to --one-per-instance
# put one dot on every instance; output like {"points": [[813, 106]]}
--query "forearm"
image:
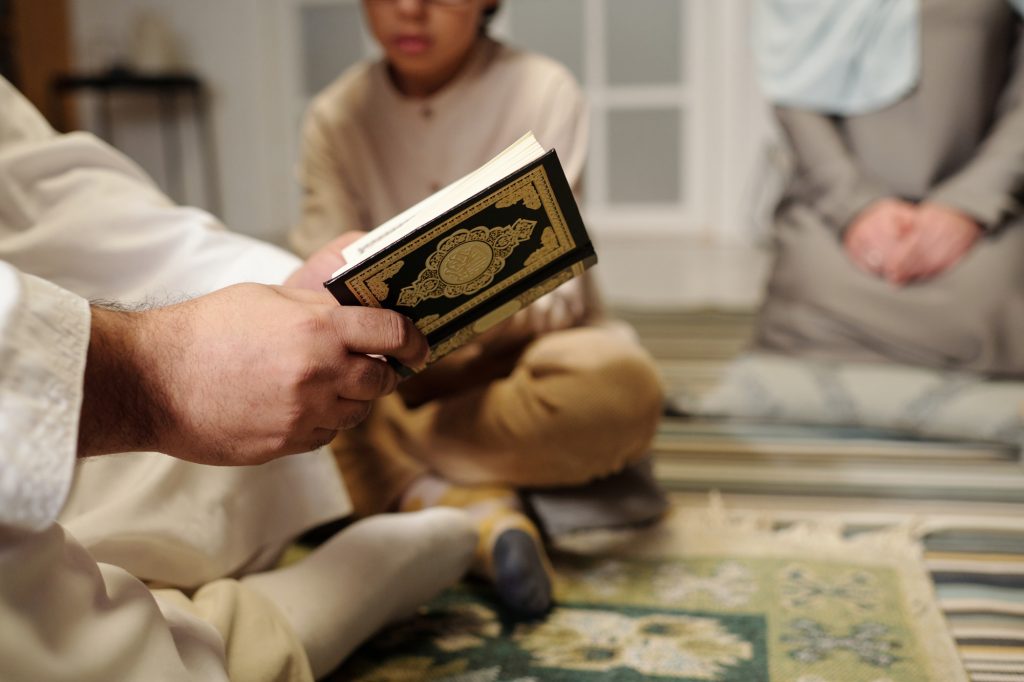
{"points": [[124, 407]]}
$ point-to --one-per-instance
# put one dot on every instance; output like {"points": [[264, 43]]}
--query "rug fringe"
{"points": [[760, 532]]}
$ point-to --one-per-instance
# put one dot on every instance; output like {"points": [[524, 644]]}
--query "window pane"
{"points": [[551, 27], [642, 38], [332, 41], [643, 156]]}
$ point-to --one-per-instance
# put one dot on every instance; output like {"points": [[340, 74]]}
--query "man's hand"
{"points": [[940, 237], [321, 265], [873, 236], [239, 376]]}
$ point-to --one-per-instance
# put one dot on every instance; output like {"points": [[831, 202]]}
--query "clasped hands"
{"points": [[902, 242]]}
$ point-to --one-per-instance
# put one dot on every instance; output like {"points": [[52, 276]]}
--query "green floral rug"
{"points": [[700, 597]]}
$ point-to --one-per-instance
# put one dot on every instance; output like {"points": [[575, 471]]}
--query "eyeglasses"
{"points": [[436, 3]]}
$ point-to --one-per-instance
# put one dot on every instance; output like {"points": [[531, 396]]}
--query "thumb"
{"points": [[898, 265]]}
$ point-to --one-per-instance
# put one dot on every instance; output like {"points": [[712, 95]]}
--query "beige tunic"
{"points": [[370, 152], [576, 404], [956, 140]]}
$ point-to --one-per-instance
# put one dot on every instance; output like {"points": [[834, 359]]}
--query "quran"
{"points": [[474, 253]]}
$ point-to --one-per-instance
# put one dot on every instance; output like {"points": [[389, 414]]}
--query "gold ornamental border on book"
{"points": [[465, 262], [474, 329], [556, 240]]}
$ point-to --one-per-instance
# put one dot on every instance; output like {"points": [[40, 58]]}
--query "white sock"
{"points": [[509, 552], [373, 573]]}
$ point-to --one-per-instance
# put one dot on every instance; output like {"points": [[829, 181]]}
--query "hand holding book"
{"points": [[474, 253]]}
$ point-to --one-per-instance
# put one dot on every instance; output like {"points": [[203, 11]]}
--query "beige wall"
{"points": [[41, 41], [229, 44]]}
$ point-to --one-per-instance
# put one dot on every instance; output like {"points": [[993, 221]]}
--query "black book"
{"points": [[475, 252]]}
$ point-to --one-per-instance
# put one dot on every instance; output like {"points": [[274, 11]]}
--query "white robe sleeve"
{"points": [[44, 334], [77, 213]]}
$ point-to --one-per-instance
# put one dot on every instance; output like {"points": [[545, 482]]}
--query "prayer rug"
{"points": [[964, 500], [966, 497], [703, 596]]}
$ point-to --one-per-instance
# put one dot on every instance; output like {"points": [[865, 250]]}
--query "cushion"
{"points": [[924, 402]]}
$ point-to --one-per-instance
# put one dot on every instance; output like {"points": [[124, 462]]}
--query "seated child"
{"points": [[557, 396]]}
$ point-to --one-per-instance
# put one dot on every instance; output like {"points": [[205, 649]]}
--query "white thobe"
{"points": [[79, 221]]}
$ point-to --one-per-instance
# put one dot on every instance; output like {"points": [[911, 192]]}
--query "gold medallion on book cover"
{"points": [[463, 259], [502, 313]]}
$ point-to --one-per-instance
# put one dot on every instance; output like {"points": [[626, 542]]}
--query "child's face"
{"points": [[425, 41]]}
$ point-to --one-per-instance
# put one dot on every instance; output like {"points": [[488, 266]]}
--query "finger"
{"points": [[931, 270], [952, 258], [906, 225], [860, 258], [347, 414], [905, 214], [530, 317], [900, 264], [873, 255], [559, 316], [299, 442], [338, 244], [322, 437], [895, 271], [873, 245], [937, 261], [381, 332], [364, 378], [322, 296]]}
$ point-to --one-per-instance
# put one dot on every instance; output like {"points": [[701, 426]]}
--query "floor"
{"points": [[965, 500]]}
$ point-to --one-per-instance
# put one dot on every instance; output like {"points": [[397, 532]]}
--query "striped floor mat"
{"points": [[966, 499]]}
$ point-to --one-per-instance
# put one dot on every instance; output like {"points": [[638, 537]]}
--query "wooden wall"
{"points": [[36, 47]]}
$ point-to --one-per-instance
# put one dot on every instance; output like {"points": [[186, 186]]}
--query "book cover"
{"points": [[476, 264]]}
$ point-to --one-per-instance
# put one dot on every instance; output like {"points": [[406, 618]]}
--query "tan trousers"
{"points": [[66, 617], [570, 407]]}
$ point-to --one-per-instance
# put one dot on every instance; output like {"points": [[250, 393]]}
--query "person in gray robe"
{"points": [[900, 236]]}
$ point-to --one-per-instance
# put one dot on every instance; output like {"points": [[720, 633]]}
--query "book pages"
{"points": [[519, 153]]}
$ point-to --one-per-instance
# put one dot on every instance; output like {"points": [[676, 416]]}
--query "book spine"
{"points": [[341, 292]]}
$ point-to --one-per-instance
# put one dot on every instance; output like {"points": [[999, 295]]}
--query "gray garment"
{"points": [[957, 140]]}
